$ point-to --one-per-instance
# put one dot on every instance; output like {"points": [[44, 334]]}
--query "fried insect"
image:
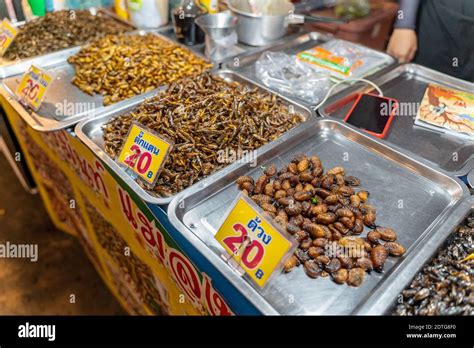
{"points": [[340, 277], [378, 255], [290, 263], [312, 269], [387, 234], [394, 248], [122, 66], [60, 30], [324, 214], [356, 277], [445, 285], [206, 117]]}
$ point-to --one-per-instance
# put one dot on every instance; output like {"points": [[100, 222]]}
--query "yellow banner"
{"points": [[136, 257]]}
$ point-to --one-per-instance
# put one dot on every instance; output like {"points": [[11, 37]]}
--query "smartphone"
{"points": [[372, 113]]}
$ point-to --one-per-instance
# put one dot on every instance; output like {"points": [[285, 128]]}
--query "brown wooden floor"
{"points": [[62, 269]]}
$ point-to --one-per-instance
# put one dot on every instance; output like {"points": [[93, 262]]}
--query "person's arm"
{"points": [[406, 17], [403, 42]]}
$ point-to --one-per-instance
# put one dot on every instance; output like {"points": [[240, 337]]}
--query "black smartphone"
{"points": [[372, 113]]}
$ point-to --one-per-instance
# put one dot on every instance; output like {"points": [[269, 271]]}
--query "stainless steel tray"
{"points": [[239, 49], [10, 68], [62, 93], [470, 179], [90, 132], [384, 298], [246, 65], [391, 177], [407, 84]]}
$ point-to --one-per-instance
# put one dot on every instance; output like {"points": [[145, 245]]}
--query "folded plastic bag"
{"points": [[289, 76]]}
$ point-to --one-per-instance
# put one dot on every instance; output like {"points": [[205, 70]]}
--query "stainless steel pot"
{"points": [[261, 30], [221, 35]]}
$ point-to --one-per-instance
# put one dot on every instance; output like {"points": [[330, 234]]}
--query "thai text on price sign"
{"points": [[254, 241], [144, 152], [7, 34], [33, 87]]}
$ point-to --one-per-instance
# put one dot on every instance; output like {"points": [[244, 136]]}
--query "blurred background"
{"points": [[370, 20]]}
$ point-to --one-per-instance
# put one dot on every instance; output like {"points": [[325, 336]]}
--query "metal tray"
{"points": [[407, 84], [384, 298], [391, 177], [10, 68], [64, 93], [90, 132], [239, 49], [470, 179], [246, 65]]}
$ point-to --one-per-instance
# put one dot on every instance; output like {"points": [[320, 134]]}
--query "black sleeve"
{"points": [[406, 17]]}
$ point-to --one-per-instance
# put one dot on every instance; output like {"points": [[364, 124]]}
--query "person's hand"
{"points": [[403, 45]]}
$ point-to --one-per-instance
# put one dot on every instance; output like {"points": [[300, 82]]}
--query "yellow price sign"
{"points": [[255, 242], [7, 34], [144, 152], [33, 87]]}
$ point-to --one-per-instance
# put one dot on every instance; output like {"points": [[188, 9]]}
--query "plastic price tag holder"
{"points": [[7, 35], [255, 245], [33, 87], [144, 153]]}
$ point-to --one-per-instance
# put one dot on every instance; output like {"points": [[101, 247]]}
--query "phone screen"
{"points": [[371, 113]]}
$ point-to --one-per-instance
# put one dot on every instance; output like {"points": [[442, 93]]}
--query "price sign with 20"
{"points": [[145, 153], [258, 245], [33, 87], [7, 34]]}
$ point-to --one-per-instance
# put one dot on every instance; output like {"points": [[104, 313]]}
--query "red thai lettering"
{"points": [[99, 180], [214, 302], [160, 243], [126, 206], [146, 229], [185, 275]]}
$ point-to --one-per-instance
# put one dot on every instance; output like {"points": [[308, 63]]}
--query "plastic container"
{"points": [[372, 31], [82, 5], [184, 23], [120, 7], [86, 4], [148, 13], [37, 7]]}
